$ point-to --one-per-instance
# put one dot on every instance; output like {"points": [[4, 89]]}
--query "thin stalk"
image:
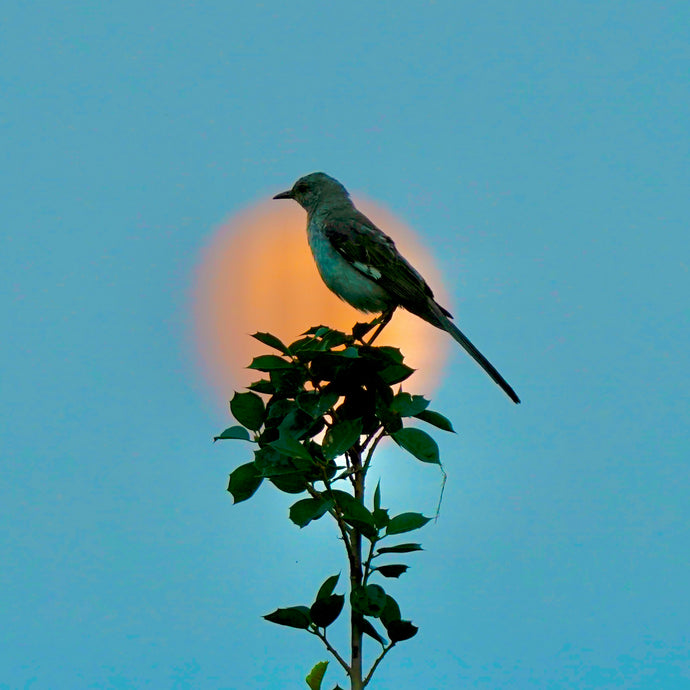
{"points": [[356, 682]]}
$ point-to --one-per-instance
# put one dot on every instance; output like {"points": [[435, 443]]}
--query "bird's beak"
{"points": [[284, 195]]}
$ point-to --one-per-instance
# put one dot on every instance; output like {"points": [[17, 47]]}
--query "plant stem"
{"points": [[356, 576]]}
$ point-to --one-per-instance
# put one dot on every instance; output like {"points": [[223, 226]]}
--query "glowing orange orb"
{"points": [[257, 274]]}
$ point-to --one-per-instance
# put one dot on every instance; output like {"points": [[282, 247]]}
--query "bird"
{"points": [[362, 266]]}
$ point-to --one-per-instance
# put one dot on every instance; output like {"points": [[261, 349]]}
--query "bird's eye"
{"points": [[301, 188]]}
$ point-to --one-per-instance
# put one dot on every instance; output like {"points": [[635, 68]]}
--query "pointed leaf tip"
{"points": [[419, 443]]}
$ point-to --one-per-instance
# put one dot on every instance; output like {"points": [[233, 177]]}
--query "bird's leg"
{"points": [[383, 322]]}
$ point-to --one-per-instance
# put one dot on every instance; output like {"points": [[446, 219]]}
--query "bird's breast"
{"points": [[350, 284]]}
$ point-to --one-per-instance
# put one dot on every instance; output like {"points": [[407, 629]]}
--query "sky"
{"points": [[540, 151]]}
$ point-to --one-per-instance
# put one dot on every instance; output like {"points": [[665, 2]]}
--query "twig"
{"points": [[332, 650], [376, 663]]}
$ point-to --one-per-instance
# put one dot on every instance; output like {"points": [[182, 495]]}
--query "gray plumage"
{"points": [[362, 266]]}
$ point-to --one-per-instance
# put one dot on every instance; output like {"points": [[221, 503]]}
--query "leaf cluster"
{"points": [[323, 395], [315, 418]]}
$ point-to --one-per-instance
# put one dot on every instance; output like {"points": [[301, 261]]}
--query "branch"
{"points": [[367, 563], [377, 662], [370, 453], [332, 650]]}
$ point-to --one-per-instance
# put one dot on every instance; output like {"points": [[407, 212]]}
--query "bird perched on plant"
{"points": [[362, 266]]}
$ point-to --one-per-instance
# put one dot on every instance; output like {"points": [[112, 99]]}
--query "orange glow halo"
{"points": [[257, 274]]}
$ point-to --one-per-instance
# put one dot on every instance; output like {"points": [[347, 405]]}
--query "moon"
{"points": [[256, 273]]}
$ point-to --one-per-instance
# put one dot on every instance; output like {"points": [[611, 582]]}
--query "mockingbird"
{"points": [[361, 264]]}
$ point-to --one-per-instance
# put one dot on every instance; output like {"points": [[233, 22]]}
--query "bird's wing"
{"points": [[375, 255]]}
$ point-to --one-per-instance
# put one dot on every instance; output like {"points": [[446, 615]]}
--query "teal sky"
{"points": [[539, 149]]}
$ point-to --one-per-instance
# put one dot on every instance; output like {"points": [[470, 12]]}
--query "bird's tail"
{"points": [[439, 319]]}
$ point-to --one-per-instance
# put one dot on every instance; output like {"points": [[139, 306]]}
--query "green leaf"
{"points": [[369, 600], [368, 629], [291, 447], [393, 570], [335, 338], [314, 329], [244, 481], [316, 403], [350, 353], [401, 630], [248, 409], [262, 386], [315, 677], [393, 354], [293, 617], [406, 522], [355, 513], [391, 611], [271, 340], [341, 437], [409, 405], [395, 373], [381, 518], [290, 483], [327, 587], [326, 611], [288, 382], [377, 496], [438, 420], [308, 509], [269, 362], [400, 548], [236, 432], [419, 444]]}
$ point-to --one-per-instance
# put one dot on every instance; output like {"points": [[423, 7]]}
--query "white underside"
{"points": [[345, 281]]}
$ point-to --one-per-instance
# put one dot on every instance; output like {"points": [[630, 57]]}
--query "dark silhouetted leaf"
{"points": [[368, 629], [391, 611], [392, 354], [327, 587], [325, 611], [355, 513], [308, 509], [236, 432], [291, 447], [419, 443], [406, 522], [294, 617], [262, 386], [248, 409], [369, 600], [438, 420], [381, 518], [377, 496], [409, 405], [341, 437], [316, 403], [400, 548], [269, 363], [393, 570], [401, 630], [395, 373], [294, 483], [271, 340], [244, 481]]}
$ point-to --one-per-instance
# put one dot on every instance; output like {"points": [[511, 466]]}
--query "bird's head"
{"points": [[314, 189]]}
